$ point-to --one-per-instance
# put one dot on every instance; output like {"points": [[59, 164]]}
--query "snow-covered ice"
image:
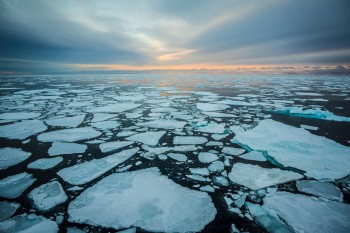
{"points": [[48, 195], [143, 199], [256, 177], [85, 172], [12, 156]]}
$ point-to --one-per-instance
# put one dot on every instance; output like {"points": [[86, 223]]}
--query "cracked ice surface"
{"points": [[158, 204]]}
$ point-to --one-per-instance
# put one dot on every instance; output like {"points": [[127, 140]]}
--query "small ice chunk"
{"points": [[239, 202], [232, 151], [22, 130], [320, 189], [199, 171], [69, 135], [158, 204], [207, 107], [7, 209], [178, 157], [73, 121], [148, 138], [29, 224], [207, 188], [309, 127], [197, 178], [216, 166], [256, 177], [163, 124], [12, 156], [13, 186], [207, 157], [110, 146], [85, 172], [63, 148], [221, 181], [48, 195], [309, 214], [44, 164], [254, 156], [189, 140]]}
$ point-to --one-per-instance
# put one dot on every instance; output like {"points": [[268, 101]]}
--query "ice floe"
{"points": [[163, 124], [29, 224], [44, 164], [158, 204], [73, 121], [111, 146], [69, 135], [212, 128], [48, 195], [13, 186], [22, 130], [85, 172], [64, 148], [148, 138], [19, 115], [256, 177], [208, 107], [12, 156], [309, 214], [232, 151], [207, 157], [115, 108], [7, 209], [178, 157], [253, 155], [319, 157], [320, 189], [189, 140]]}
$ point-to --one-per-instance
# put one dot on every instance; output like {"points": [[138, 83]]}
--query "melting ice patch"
{"points": [[69, 135], [157, 204], [309, 214], [29, 224], [256, 177], [12, 156], [22, 130], [85, 172], [319, 157], [311, 113]]}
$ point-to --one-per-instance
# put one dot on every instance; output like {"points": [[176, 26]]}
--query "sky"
{"points": [[264, 36]]}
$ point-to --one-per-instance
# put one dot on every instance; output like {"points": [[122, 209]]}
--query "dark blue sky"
{"points": [[64, 35]]}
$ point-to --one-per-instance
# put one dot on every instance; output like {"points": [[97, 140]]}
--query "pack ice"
{"points": [[319, 157], [144, 199], [22, 130], [12, 156]]}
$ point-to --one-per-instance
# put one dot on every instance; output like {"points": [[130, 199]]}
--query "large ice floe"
{"points": [[12, 156], [309, 214], [144, 199], [256, 177], [85, 172], [69, 135], [311, 113], [29, 224], [22, 130], [73, 121], [319, 157]]}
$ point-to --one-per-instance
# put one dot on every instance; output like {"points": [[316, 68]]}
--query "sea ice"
{"points": [[232, 151], [115, 108], [104, 125], [216, 166], [110, 146], [19, 115], [22, 130], [320, 189], [212, 128], [73, 121], [256, 177], [309, 214], [12, 156], [189, 140], [148, 138], [163, 124], [63, 148], [219, 114], [319, 157], [207, 157], [44, 164], [207, 107], [199, 171], [253, 155], [7, 209], [69, 135], [14, 186], [48, 195], [178, 157], [29, 224], [102, 117], [158, 204], [85, 172]]}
